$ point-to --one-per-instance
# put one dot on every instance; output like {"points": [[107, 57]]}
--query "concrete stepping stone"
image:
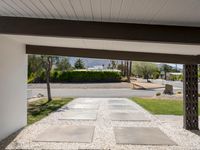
{"points": [[89, 101], [141, 136], [118, 102], [78, 115], [74, 134], [118, 116], [121, 107], [83, 106]]}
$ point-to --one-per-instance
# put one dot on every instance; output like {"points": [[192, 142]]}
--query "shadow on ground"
{"points": [[197, 132], [4, 143]]}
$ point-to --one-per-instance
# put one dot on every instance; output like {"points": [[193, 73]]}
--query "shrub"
{"points": [[54, 75], [198, 94], [158, 94], [180, 77], [37, 78], [176, 77], [81, 76], [156, 75], [61, 77], [179, 92], [31, 78]]}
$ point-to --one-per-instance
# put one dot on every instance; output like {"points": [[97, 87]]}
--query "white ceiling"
{"points": [[108, 44], [175, 12]]}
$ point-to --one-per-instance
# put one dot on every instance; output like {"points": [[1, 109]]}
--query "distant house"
{"points": [[96, 68], [174, 76]]}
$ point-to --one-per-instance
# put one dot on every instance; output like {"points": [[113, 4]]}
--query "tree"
{"points": [[120, 67], [63, 64], [123, 67], [79, 64], [166, 68], [47, 63], [126, 69], [113, 64], [34, 66], [144, 69], [109, 66]]}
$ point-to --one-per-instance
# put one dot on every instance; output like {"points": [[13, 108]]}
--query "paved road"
{"points": [[96, 90], [114, 85], [174, 83], [126, 92], [177, 84]]}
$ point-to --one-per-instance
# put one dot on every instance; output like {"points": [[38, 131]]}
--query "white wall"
{"points": [[13, 75]]}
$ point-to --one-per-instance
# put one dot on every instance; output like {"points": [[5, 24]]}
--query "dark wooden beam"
{"points": [[99, 30], [110, 54]]}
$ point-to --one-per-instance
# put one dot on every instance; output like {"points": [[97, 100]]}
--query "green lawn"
{"points": [[165, 107], [41, 108]]}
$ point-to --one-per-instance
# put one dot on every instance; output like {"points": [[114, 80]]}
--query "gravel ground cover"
{"points": [[104, 137]]}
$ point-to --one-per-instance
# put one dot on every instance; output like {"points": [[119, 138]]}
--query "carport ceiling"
{"points": [[131, 27], [170, 12]]}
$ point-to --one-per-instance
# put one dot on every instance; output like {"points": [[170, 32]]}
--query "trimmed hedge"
{"points": [[176, 77], [80, 76]]}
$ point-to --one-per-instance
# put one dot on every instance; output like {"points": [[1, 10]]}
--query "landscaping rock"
{"points": [[168, 89], [40, 95]]}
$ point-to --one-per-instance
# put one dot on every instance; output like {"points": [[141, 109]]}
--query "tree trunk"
{"points": [[129, 71], [122, 68], [147, 78], [48, 86], [48, 71], [165, 75]]}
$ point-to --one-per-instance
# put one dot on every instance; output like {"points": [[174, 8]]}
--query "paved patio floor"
{"points": [[102, 127]]}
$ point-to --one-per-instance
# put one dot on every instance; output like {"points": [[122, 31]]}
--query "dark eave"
{"points": [[110, 54], [99, 30]]}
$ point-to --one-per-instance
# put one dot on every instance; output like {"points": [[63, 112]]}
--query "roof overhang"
{"points": [[100, 30], [111, 54], [157, 43]]}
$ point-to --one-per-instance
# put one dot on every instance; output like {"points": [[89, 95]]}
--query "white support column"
{"points": [[13, 76]]}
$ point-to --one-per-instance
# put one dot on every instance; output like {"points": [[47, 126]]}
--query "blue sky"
{"points": [[173, 65], [90, 62]]}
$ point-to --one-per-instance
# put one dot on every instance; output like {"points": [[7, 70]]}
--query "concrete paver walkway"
{"points": [[75, 134], [102, 133]]}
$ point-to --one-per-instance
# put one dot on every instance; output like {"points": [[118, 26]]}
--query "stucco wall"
{"points": [[13, 75]]}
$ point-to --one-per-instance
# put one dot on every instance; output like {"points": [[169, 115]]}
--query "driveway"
{"points": [[105, 123]]}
